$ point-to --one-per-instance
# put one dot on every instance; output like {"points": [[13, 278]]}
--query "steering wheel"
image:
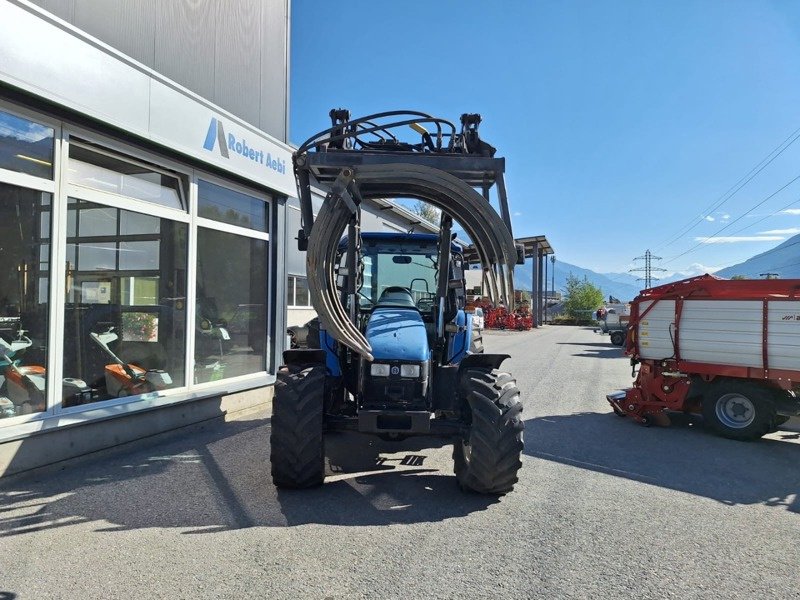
{"points": [[425, 304]]}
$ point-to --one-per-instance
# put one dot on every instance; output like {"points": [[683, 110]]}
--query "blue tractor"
{"points": [[394, 354]]}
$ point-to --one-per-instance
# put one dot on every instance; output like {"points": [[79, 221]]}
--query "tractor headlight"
{"points": [[379, 370], [409, 371]]}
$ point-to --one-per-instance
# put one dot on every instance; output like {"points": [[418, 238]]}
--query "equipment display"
{"points": [[24, 386], [395, 356], [124, 379]]}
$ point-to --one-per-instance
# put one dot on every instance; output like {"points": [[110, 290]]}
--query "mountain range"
{"points": [[619, 285], [783, 260]]}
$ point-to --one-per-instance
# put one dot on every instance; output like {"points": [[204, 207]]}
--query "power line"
{"points": [[769, 216], [747, 178], [739, 218]]}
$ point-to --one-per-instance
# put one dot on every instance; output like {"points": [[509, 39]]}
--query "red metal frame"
{"points": [[663, 385]]}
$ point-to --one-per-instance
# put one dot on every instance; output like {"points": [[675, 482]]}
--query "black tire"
{"points": [[739, 410], [489, 459], [297, 448], [617, 338]]}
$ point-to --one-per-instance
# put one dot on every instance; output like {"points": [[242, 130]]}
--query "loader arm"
{"points": [[355, 168]]}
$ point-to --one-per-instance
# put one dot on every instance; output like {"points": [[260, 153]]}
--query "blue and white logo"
{"points": [[216, 133], [230, 143]]}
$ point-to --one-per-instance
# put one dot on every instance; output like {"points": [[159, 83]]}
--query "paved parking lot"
{"points": [[604, 509]]}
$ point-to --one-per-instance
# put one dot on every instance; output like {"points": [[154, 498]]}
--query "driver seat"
{"points": [[396, 296]]}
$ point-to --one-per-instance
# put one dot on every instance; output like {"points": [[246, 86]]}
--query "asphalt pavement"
{"points": [[604, 508]]}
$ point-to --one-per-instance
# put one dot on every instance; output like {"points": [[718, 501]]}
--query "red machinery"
{"points": [[727, 349], [500, 318]]}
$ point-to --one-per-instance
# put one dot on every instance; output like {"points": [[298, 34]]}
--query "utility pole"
{"points": [[769, 275], [647, 269], [553, 276]]}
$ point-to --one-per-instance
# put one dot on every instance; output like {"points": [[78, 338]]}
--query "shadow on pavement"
{"points": [[597, 349], [682, 457], [218, 479]]}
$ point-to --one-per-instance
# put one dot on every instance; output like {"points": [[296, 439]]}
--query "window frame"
{"points": [[60, 239], [293, 304], [41, 184], [197, 222]]}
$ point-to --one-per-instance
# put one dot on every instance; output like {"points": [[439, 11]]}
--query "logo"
{"points": [[230, 143], [216, 133], [395, 370]]}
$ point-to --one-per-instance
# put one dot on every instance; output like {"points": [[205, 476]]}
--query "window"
{"points": [[232, 282], [228, 206], [24, 306], [27, 146], [125, 314], [121, 277], [297, 292], [99, 170]]}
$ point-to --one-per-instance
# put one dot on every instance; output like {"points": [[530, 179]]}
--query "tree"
{"points": [[582, 297], [738, 277], [426, 211]]}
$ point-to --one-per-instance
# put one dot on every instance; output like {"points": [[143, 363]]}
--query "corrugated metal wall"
{"points": [[231, 52]]}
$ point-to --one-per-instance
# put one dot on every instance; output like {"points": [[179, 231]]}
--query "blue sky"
{"points": [[620, 121]]}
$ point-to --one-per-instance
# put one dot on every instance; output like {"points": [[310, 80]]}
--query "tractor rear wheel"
{"points": [[297, 450], [739, 410], [488, 459]]}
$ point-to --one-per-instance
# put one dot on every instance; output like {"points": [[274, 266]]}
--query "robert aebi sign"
{"points": [[230, 143]]}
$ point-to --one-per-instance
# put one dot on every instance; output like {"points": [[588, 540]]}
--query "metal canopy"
{"points": [[528, 243]]}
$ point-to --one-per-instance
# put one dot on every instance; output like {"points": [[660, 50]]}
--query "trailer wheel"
{"points": [[739, 410], [297, 451], [488, 459], [617, 338]]}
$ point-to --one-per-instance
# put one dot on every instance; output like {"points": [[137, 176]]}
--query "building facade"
{"points": [[147, 252]]}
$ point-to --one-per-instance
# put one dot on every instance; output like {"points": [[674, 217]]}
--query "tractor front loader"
{"points": [[395, 356]]}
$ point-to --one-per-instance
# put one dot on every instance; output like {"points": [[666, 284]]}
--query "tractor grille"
{"points": [[395, 392]]}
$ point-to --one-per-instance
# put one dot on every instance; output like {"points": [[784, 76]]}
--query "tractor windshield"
{"points": [[408, 265]]}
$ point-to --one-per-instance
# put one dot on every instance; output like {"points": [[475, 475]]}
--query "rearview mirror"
{"points": [[401, 260]]}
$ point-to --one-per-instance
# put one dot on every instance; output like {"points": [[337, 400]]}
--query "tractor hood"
{"points": [[397, 334]]}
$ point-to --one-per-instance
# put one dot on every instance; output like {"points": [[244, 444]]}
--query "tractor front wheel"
{"points": [[488, 458], [297, 450]]}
